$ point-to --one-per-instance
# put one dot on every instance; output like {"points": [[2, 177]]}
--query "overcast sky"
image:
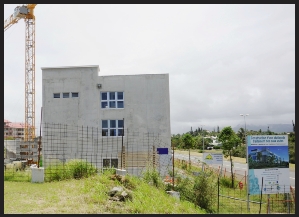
{"points": [[222, 60]]}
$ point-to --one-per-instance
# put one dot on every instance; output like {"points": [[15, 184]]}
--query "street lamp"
{"points": [[245, 133], [246, 162]]}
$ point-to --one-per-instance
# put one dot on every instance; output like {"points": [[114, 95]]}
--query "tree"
{"points": [[241, 134], [188, 143], [176, 141], [198, 142], [191, 131], [229, 140]]}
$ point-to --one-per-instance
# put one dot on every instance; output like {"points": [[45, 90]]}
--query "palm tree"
{"points": [[241, 134]]}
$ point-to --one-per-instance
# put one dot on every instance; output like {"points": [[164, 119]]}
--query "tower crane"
{"points": [[26, 12]]}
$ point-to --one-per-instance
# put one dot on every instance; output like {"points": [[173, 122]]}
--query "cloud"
{"points": [[222, 60]]}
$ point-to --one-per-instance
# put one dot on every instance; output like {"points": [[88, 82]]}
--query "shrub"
{"points": [[205, 191], [73, 169], [185, 187], [80, 169], [225, 182], [152, 177], [240, 151]]}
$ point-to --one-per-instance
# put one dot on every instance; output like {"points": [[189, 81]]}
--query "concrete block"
{"points": [[37, 174], [175, 194], [121, 172]]}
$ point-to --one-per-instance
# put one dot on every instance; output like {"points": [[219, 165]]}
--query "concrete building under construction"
{"points": [[80, 96]]}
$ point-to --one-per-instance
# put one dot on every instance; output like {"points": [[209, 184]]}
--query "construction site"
{"points": [[78, 97]]}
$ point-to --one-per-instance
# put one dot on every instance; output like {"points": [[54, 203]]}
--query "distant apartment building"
{"points": [[13, 130], [263, 154], [16, 147]]}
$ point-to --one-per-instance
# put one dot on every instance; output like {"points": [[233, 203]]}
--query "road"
{"points": [[239, 168]]}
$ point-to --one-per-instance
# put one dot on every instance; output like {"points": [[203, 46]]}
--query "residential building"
{"points": [[263, 155], [215, 141], [13, 129]]}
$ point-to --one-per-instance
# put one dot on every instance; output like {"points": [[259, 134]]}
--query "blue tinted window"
{"points": [[104, 124], [56, 95], [120, 131], [75, 94], [112, 104], [112, 95], [104, 96], [120, 95], [120, 123], [113, 132], [120, 104], [112, 99], [104, 132], [66, 95], [112, 123], [112, 127], [104, 104]]}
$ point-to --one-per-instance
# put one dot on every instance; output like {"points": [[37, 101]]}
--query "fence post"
{"points": [[288, 199], [218, 196], [268, 208], [245, 177], [154, 157], [123, 160]]}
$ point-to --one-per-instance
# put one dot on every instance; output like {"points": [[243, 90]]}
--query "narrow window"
{"points": [[114, 163], [110, 163], [66, 95], [75, 94], [56, 95], [106, 162]]}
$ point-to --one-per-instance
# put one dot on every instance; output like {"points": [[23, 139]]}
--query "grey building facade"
{"points": [[117, 106]]}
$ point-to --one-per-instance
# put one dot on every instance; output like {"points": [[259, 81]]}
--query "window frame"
{"points": [[73, 94], [63, 95], [118, 130], [108, 102], [107, 161], [56, 94]]}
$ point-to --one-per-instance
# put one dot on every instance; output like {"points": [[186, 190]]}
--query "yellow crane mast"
{"points": [[26, 12]]}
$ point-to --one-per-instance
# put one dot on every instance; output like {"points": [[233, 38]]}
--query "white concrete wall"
{"points": [[11, 145], [146, 99]]}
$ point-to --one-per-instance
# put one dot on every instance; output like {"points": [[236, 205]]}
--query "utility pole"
{"points": [[203, 149], [248, 208], [245, 133]]}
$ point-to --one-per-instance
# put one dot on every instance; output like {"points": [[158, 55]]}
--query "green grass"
{"points": [[17, 176], [79, 189], [229, 205], [89, 196]]}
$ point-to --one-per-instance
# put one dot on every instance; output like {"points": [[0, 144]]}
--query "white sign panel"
{"points": [[268, 164], [213, 158]]}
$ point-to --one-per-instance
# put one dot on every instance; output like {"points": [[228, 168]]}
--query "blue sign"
{"points": [[162, 150]]}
